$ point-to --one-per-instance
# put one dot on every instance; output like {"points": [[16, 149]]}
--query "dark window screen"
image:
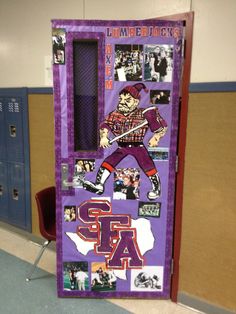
{"points": [[85, 55]]}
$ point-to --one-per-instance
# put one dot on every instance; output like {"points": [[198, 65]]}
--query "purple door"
{"points": [[116, 94]]}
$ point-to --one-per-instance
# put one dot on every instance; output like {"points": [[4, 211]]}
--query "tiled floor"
{"points": [[24, 249]]}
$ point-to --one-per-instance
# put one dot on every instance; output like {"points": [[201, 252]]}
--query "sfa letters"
{"points": [[112, 234]]}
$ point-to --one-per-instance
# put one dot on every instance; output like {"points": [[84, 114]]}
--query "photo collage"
{"points": [[102, 279], [143, 63], [147, 63], [152, 65], [114, 197]]}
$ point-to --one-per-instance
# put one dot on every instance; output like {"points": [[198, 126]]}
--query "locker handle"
{"points": [[15, 194], [1, 190], [12, 130]]}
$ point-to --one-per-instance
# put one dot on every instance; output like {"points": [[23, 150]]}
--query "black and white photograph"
{"points": [[149, 209], [159, 97], [158, 63], [58, 45], [159, 153], [126, 184], [149, 278], [128, 62], [82, 166]]}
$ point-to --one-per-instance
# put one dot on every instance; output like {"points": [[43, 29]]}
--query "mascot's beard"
{"points": [[125, 109]]}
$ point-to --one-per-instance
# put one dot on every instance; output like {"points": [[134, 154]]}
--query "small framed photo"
{"points": [[128, 62], [150, 278], [103, 279], [159, 97], [82, 166], [158, 63], [126, 184], [70, 213], [149, 209], [58, 45], [76, 276], [159, 153]]}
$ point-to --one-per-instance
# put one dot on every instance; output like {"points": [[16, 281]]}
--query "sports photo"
{"points": [[58, 45], [126, 184], [159, 153], [76, 276], [159, 97], [128, 62], [158, 63], [149, 209], [70, 213], [149, 278], [82, 166], [102, 279]]}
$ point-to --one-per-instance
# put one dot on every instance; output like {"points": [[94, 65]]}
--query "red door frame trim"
{"points": [[188, 17]]}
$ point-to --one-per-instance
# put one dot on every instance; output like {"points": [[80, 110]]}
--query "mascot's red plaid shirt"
{"points": [[118, 124]]}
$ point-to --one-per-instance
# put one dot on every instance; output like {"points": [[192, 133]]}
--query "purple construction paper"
{"points": [[162, 228]]}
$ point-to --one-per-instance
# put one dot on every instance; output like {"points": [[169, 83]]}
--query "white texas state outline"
{"points": [[145, 241]]}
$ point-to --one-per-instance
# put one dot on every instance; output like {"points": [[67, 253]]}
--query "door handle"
{"points": [[12, 130], [65, 184], [64, 176], [15, 194]]}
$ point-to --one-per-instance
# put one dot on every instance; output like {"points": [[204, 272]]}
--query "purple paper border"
{"points": [[71, 36], [172, 167], [148, 22], [57, 110], [170, 215]]}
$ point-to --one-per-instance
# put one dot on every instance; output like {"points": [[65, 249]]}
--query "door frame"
{"points": [[188, 18]]}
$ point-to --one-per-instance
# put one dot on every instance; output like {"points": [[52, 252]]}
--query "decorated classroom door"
{"points": [[116, 93]]}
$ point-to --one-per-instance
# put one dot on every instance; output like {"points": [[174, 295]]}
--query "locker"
{"points": [[14, 129], [14, 154], [16, 188], [2, 130], [3, 191]]}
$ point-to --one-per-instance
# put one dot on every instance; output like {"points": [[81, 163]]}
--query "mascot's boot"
{"points": [[156, 187], [98, 186]]}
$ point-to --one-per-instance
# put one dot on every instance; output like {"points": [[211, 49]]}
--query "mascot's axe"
{"points": [[128, 132]]}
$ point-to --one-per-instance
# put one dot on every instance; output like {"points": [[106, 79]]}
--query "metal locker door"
{"points": [[14, 130], [14, 148], [3, 191], [17, 206], [2, 130]]}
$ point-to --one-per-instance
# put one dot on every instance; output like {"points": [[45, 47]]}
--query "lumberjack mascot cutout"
{"points": [[129, 124]]}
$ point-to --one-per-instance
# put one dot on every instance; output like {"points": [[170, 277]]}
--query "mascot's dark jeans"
{"points": [[139, 153]]}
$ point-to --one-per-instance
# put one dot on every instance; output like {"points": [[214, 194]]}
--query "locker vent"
{"points": [[13, 107], [16, 107], [10, 107]]}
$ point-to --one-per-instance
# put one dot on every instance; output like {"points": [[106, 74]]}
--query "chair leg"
{"points": [[44, 246]]}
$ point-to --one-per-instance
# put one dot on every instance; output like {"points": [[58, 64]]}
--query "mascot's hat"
{"points": [[134, 90]]}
